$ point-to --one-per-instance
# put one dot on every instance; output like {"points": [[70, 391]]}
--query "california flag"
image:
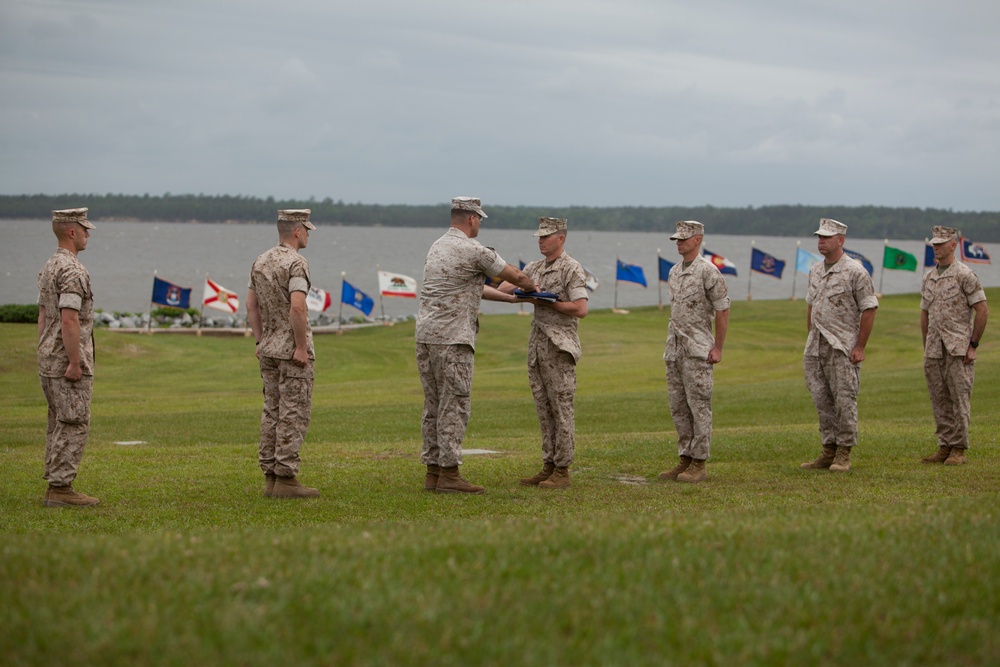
{"points": [[396, 284]]}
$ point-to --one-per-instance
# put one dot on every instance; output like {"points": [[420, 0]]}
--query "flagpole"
{"points": [[340, 310], [795, 275], [520, 302], [753, 243], [617, 263], [881, 276], [659, 283], [149, 323], [201, 317], [381, 305]]}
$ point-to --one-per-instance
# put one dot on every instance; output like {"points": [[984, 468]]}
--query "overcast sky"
{"points": [[548, 102]]}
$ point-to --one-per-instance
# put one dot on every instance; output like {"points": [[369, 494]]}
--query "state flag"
{"points": [[352, 296], [865, 262], [804, 260], [170, 295], [396, 284], [896, 259], [317, 299], [591, 281], [218, 297], [761, 262], [720, 262], [630, 273], [973, 253], [665, 267]]}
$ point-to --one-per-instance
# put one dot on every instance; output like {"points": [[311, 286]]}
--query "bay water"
{"points": [[123, 256]]}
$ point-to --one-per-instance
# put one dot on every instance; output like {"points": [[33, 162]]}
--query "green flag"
{"points": [[897, 259]]}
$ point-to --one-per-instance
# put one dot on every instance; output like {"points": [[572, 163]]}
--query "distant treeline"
{"points": [[862, 221]]}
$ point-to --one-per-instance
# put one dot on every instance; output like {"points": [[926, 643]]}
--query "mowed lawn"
{"points": [[184, 562]]}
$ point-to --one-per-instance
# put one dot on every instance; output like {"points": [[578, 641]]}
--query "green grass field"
{"points": [[185, 563]]}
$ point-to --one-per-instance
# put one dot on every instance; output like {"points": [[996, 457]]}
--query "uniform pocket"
{"points": [[459, 370], [73, 400]]}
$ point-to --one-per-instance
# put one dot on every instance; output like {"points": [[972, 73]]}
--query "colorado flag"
{"points": [[720, 262]]}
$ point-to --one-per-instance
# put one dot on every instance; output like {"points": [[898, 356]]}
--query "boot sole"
{"points": [[468, 493], [56, 503]]}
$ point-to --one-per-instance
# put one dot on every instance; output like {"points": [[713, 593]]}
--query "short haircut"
{"points": [[287, 227]]}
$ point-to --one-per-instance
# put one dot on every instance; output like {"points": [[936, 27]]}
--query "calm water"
{"points": [[122, 257]]}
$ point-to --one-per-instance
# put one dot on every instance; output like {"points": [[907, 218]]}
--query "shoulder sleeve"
{"points": [[716, 289], [864, 290], [577, 286], [973, 289], [490, 262], [71, 287], [298, 276]]}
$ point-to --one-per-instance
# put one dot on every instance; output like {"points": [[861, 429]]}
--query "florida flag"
{"points": [[396, 284], [218, 297], [318, 299], [720, 262]]}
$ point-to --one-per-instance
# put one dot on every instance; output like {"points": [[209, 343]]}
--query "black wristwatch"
{"points": [[973, 344]]}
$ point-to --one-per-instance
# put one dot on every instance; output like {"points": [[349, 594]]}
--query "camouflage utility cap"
{"points": [[78, 215], [296, 215], [686, 229], [468, 204], [830, 227], [943, 234], [548, 226]]}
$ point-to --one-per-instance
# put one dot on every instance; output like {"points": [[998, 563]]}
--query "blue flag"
{"points": [[804, 260], [170, 295], [869, 267], [761, 262], [630, 273], [665, 267], [973, 253], [352, 296], [929, 255]]}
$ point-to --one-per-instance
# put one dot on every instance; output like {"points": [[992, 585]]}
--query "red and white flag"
{"points": [[218, 297], [318, 299], [396, 284]]}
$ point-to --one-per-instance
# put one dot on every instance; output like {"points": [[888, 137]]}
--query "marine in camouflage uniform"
{"points": [[841, 307], [455, 272], [699, 296], [953, 314], [66, 356], [554, 350], [276, 309]]}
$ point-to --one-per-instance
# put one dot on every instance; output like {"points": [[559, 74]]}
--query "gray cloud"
{"points": [[599, 102]]}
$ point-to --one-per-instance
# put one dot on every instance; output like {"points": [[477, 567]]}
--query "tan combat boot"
{"points": [[558, 480], [449, 481], [431, 478], [66, 496], [842, 460], [289, 487], [956, 457], [685, 461], [694, 473], [540, 477], [825, 459], [269, 484], [940, 456]]}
